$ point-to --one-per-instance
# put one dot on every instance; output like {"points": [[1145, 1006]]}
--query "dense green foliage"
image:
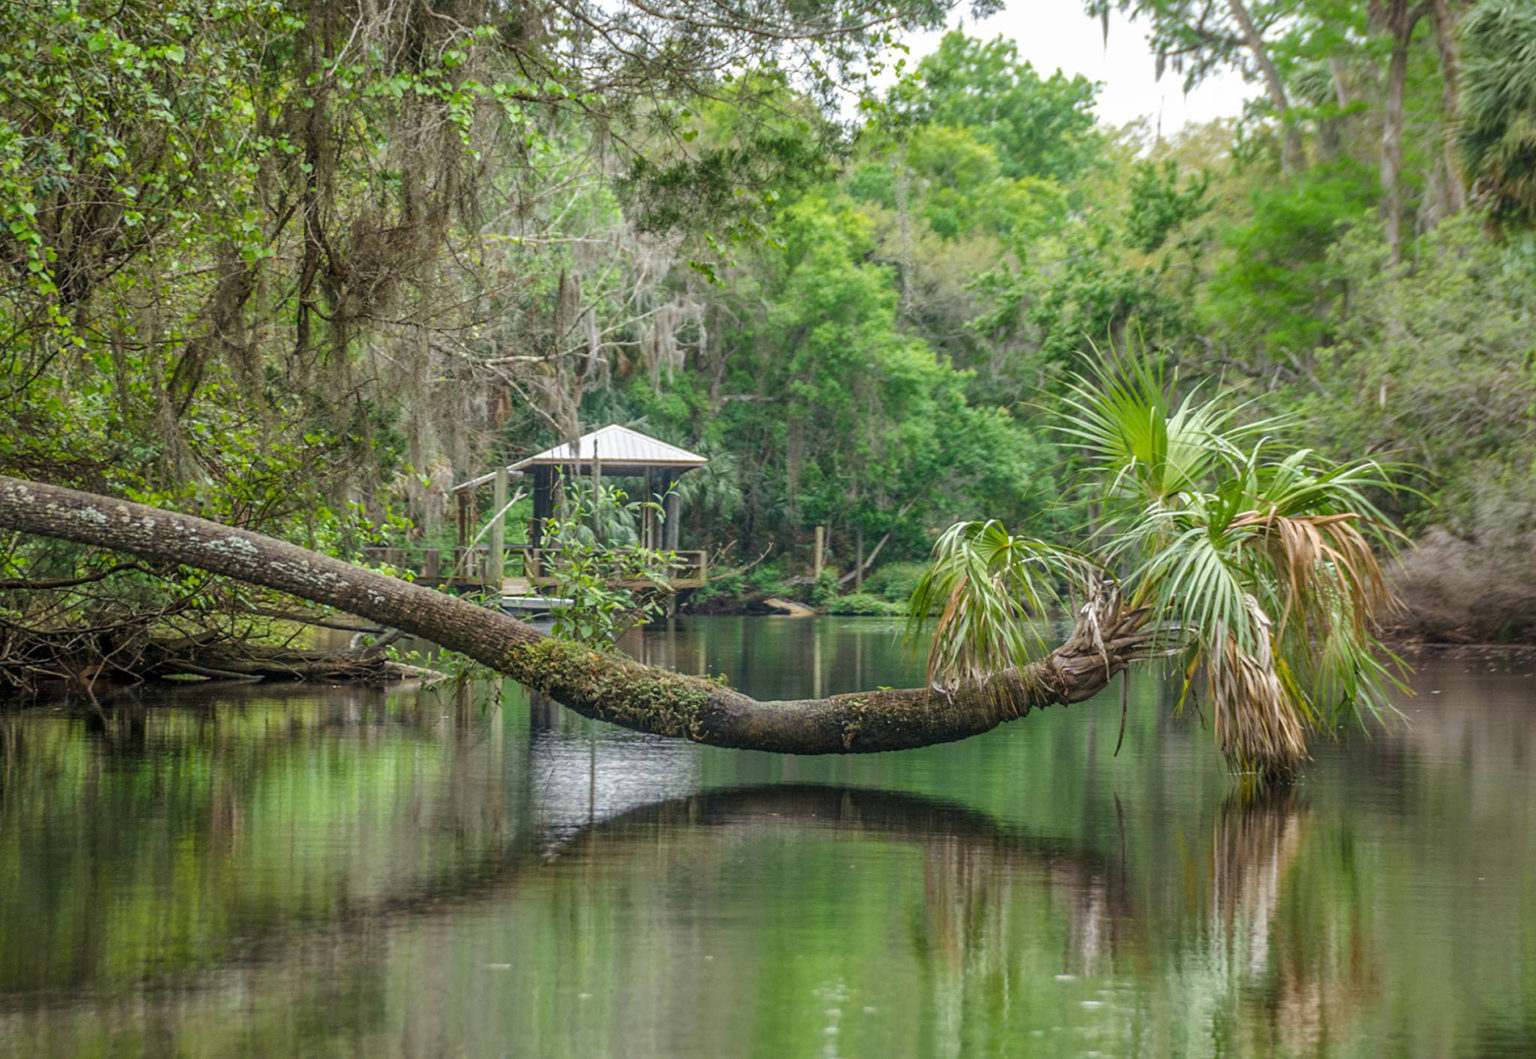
{"points": [[303, 266]]}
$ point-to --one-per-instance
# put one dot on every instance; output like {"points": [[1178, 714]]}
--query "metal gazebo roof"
{"points": [[621, 451]]}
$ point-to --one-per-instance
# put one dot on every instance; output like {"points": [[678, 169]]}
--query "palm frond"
{"points": [[1121, 411], [1259, 724], [992, 592]]}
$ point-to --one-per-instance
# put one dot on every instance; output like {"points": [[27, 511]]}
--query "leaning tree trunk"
{"points": [[604, 686]]}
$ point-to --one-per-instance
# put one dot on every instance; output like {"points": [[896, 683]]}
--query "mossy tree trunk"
{"points": [[601, 685]]}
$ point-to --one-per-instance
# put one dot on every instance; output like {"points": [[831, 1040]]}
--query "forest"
{"points": [[299, 268]]}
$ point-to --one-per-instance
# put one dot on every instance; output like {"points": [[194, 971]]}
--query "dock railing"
{"points": [[688, 569], [464, 567]]}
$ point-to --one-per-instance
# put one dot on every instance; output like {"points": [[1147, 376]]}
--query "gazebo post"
{"points": [[464, 497], [495, 566], [597, 492], [543, 508], [674, 509], [647, 513]]}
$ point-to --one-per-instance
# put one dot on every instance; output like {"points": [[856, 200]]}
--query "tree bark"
{"points": [[1450, 96], [604, 686], [1392, 150], [1290, 142], [1400, 20]]}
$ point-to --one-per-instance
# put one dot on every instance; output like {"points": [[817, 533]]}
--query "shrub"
{"points": [[861, 603], [766, 577], [894, 582]]}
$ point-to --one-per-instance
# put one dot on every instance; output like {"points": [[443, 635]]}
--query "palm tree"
{"points": [[1252, 565]]}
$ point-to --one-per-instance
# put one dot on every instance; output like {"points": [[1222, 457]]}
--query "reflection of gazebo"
{"points": [[612, 452]]}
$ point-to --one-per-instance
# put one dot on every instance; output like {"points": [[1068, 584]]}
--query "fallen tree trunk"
{"points": [[604, 686], [246, 661]]}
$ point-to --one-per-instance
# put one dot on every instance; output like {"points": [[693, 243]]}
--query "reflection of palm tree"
{"points": [[1255, 840], [1301, 977]]}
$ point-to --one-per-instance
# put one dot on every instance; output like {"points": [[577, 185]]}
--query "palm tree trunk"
{"points": [[603, 686]]}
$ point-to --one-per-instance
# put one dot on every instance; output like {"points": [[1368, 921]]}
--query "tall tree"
{"points": [[1399, 18], [1039, 126], [1447, 39], [1196, 37]]}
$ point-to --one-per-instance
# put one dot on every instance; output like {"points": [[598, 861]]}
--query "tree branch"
{"points": [[22, 584]]}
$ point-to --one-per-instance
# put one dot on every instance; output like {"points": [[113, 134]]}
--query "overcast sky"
{"points": [[1056, 33]]}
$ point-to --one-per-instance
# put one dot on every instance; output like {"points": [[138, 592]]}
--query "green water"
{"points": [[311, 872]]}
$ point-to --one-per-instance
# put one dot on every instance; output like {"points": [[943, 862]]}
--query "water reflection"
{"points": [[422, 872], [977, 876], [579, 777], [1254, 845]]}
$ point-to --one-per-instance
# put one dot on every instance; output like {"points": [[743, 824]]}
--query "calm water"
{"points": [[291, 872]]}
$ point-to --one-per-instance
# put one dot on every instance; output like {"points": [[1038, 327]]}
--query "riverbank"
{"points": [[1459, 591]]}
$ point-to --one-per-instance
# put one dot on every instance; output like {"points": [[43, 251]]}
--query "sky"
{"points": [[1056, 33]]}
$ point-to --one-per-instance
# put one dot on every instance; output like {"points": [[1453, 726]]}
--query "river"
{"points": [[301, 871]]}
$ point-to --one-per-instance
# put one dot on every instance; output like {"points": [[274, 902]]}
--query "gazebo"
{"points": [[613, 452], [616, 452]]}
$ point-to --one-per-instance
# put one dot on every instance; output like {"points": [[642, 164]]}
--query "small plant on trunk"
{"points": [[610, 586]]}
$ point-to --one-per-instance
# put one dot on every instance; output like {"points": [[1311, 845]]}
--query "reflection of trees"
{"points": [[971, 863], [984, 905], [147, 844], [1268, 924], [965, 851]]}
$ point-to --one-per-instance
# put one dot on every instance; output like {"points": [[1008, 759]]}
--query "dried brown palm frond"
{"points": [[1259, 724], [1320, 559]]}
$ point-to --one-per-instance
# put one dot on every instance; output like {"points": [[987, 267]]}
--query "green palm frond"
{"points": [[1121, 412], [1198, 580], [992, 592], [1259, 563]]}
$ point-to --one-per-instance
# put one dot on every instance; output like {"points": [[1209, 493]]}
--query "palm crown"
{"points": [[1254, 565]]}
